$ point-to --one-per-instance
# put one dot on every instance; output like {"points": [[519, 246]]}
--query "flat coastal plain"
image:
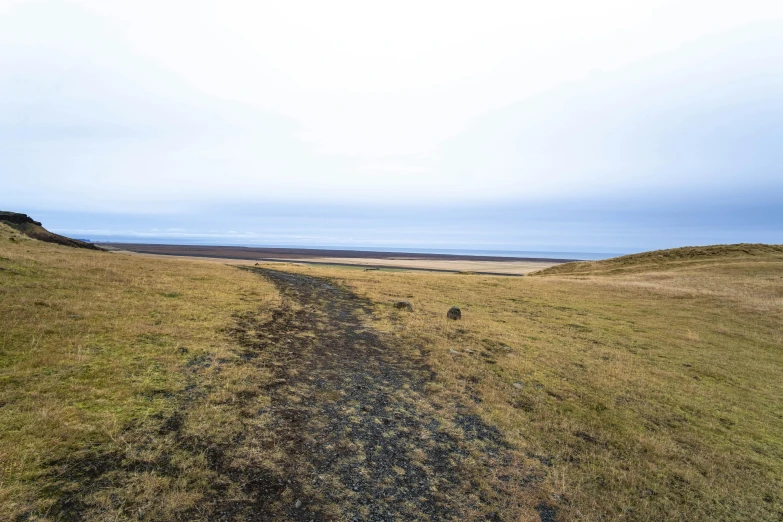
{"points": [[488, 265]]}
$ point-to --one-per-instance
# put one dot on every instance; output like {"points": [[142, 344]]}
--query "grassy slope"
{"points": [[653, 394], [96, 351], [672, 259], [35, 231]]}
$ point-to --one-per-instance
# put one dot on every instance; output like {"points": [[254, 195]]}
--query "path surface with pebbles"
{"points": [[353, 423]]}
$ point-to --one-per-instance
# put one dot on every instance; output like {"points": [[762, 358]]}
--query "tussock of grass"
{"points": [[649, 395]]}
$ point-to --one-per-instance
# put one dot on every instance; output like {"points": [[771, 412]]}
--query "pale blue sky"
{"points": [[603, 126]]}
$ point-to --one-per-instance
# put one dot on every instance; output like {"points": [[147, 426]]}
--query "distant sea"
{"points": [[586, 256]]}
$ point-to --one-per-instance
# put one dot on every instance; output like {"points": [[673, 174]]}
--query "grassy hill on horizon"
{"points": [[669, 259], [648, 387]]}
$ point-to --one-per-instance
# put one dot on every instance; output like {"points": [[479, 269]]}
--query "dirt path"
{"points": [[336, 424], [352, 421]]}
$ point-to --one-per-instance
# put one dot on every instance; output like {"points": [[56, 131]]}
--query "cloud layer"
{"points": [[169, 108]]}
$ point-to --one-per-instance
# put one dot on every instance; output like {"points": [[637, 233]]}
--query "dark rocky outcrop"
{"points": [[33, 229], [403, 305], [454, 313], [17, 218]]}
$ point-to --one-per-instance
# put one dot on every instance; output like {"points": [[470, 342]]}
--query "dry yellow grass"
{"points": [[652, 395], [92, 343], [645, 390]]}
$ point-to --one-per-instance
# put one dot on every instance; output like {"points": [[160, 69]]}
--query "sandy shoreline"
{"points": [[492, 265]]}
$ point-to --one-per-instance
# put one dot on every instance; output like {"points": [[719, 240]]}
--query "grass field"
{"points": [[653, 393], [97, 353], [646, 388]]}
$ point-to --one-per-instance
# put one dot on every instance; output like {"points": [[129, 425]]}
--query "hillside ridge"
{"points": [[35, 230], [673, 257]]}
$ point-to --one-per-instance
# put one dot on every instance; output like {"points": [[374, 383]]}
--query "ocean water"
{"points": [[574, 254]]}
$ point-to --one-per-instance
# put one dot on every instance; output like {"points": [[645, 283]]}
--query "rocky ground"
{"points": [[362, 439]]}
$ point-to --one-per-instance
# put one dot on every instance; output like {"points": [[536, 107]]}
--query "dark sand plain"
{"points": [[491, 265]]}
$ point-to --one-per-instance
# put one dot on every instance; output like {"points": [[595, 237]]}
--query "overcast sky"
{"points": [[603, 125]]}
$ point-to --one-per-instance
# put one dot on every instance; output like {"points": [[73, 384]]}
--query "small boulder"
{"points": [[454, 313], [403, 305]]}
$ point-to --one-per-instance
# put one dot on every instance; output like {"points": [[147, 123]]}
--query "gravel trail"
{"points": [[353, 422]]}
